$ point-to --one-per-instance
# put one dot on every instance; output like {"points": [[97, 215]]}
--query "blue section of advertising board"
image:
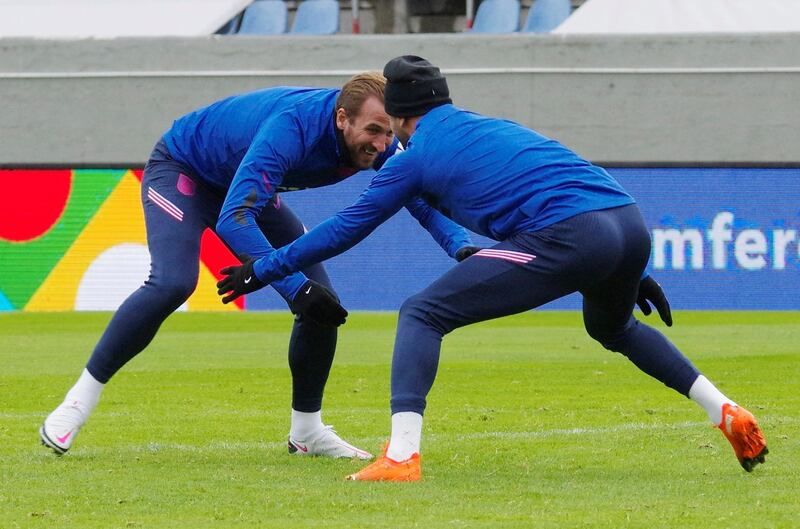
{"points": [[722, 239]]}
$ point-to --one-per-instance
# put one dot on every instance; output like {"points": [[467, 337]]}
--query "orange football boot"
{"points": [[385, 469], [742, 431]]}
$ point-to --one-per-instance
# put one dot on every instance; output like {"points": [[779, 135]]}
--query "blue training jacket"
{"points": [[492, 176], [250, 146]]}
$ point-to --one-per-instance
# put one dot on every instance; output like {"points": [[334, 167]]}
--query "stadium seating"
{"points": [[316, 17], [231, 26], [545, 15], [264, 17], [497, 16]]}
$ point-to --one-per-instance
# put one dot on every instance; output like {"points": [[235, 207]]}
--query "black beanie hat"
{"points": [[413, 87]]}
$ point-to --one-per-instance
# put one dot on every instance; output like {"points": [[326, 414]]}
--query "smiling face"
{"points": [[366, 134]]}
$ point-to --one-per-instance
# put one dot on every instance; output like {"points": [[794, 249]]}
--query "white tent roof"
{"points": [[683, 16], [114, 18]]}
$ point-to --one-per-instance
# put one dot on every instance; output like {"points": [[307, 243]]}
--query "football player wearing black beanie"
{"points": [[413, 87]]}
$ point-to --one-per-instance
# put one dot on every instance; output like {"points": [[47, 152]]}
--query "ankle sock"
{"points": [[305, 424], [86, 391], [710, 398], [406, 435]]}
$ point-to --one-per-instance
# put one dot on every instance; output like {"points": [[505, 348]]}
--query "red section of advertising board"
{"points": [[215, 255], [31, 202]]}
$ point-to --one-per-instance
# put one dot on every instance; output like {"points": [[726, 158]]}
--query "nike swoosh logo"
{"points": [[728, 421], [248, 280], [309, 290], [64, 439], [300, 447]]}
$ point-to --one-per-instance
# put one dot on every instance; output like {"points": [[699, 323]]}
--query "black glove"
{"points": [[651, 291], [318, 304], [238, 280], [466, 251]]}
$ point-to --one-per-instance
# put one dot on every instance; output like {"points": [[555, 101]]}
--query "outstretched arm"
{"points": [[449, 235], [391, 188], [277, 146]]}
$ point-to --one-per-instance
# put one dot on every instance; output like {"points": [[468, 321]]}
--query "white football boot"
{"points": [[62, 426], [327, 443]]}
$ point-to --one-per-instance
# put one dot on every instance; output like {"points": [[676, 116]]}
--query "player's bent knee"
{"points": [[413, 307], [611, 339], [418, 307], [177, 291]]}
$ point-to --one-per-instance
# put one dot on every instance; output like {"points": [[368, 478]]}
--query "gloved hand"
{"points": [[651, 291], [318, 304], [466, 251], [238, 280]]}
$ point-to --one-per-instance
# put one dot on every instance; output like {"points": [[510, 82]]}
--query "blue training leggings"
{"points": [[177, 209], [600, 254]]}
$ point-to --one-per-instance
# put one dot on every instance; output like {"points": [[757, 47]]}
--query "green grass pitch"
{"points": [[530, 424]]}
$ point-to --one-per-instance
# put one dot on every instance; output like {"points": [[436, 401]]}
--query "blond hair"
{"points": [[358, 89]]}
